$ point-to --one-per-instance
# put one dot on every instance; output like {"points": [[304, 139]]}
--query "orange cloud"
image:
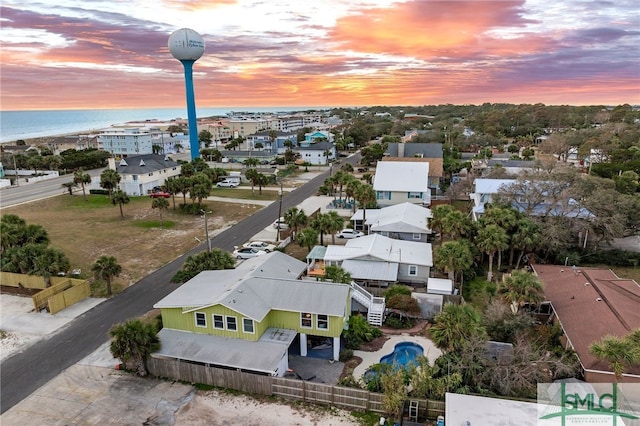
{"points": [[427, 29]]}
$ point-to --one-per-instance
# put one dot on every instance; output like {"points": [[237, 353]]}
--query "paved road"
{"points": [[25, 372]]}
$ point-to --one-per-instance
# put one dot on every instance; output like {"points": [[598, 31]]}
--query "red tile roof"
{"points": [[591, 303]]}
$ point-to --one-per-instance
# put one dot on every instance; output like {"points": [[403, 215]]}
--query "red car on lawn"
{"points": [[160, 194]]}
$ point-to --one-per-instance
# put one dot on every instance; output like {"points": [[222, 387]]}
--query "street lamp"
{"points": [[206, 228], [279, 214]]}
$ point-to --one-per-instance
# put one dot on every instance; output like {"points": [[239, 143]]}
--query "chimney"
{"points": [[401, 150], [111, 163]]}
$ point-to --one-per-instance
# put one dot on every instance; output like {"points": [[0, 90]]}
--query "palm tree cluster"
{"points": [[500, 230], [24, 249], [133, 342], [206, 261], [106, 268], [463, 333]]}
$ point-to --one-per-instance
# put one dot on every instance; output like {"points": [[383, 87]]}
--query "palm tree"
{"points": [[294, 218], [337, 274], [335, 223], [200, 187], [251, 162], [252, 175], [69, 186], [438, 218], [351, 189], [80, 178], [322, 224], [106, 268], [619, 353], [173, 188], [217, 259], [365, 194], [526, 237], [455, 325], [308, 238], [133, 342], [455, 224], [520, 288], [119, 197], [160, 204], [109, 180], [454, 256], [491, 239]]}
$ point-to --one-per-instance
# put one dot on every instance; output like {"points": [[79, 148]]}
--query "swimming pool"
{"points": [[403, 355]]}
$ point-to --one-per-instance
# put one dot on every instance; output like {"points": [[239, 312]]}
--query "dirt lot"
{"points": [[86, 230]]}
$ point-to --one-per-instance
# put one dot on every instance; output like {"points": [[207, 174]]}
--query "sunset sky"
{"points": [[68, 54]]}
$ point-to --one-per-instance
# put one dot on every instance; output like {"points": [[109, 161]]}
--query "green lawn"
{"points": [[245, 193]]}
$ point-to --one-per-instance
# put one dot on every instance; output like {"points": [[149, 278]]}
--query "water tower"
{"points": [[187, 46]]}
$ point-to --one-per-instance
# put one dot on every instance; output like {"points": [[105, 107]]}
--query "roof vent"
{"points": [[599, 299], [123, 163], [142, 163], [586, 284]]}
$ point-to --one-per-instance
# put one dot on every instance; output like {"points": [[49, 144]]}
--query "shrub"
{"points": [[192, 209], [397, 322], [345, 355], [98, 192]]}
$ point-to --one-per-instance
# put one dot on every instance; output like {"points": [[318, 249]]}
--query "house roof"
{"points": [[591, 303], [262, 356], [405, 217], [317, 146], [401, 176], [266, 284], [371, 270], [378, 248], [411, 149], [140, 164], [439, 286], [491, 186], [436, 165]]}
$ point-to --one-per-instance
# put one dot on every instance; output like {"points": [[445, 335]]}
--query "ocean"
{"points": [[15, 125]]}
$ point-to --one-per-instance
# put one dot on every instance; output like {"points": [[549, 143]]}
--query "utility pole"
{"points": [[279, 214], [206, 229]]}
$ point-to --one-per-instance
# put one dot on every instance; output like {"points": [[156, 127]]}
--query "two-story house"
{"points": [[404, 221], [246, 318], [375, 260], [139, 174], [422, 152], [397, 182], [317, 153]]}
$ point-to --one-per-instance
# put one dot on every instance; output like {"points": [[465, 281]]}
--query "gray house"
{"points": [[380, 261], [406, 221]]}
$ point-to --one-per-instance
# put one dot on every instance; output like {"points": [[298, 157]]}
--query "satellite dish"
{"points": [[186, 45]]}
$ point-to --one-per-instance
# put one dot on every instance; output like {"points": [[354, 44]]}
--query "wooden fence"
{"points": [[317, 393], [62, 292]]}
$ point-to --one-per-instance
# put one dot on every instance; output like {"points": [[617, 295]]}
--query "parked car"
{"points": [[280, 224], [247, 253], [227, 184], [363, 169], [349, 233], [160, 194], [260, 245]]}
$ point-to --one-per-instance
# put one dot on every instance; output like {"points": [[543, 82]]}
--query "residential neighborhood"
{"points": [[474, 270]]}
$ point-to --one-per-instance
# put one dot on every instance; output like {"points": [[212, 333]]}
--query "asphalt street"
{"points": [[23, 373]]}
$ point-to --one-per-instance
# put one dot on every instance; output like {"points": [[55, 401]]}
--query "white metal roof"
{"points": [[491, 186], [378, 248], [371, 270], [398, 176], [263, 355], [439, 286], [405, 217]]}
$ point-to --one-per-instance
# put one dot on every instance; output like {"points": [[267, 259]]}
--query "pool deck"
{"points": [[370, 358]]}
